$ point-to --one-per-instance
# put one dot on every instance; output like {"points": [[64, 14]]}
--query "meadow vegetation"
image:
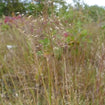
{"points": [[53, 59]]}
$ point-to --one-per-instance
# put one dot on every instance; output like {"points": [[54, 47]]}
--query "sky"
{"points": [[91, 2]]}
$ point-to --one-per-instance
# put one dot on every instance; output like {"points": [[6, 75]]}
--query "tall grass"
{"points": [[52, 62]]}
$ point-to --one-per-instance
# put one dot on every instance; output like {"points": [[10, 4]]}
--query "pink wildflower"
{"points": [[65, 34], [7, 19], [18, 17], [11, 19]]}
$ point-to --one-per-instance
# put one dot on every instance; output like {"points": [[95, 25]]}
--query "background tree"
{"points": [[9, 6]]}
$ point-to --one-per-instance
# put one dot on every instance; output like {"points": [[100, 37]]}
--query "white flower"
{"points": [[57, 28], [10, 46]]}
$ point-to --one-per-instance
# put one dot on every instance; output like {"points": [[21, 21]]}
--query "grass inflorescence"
{"points": [[51, 61]]}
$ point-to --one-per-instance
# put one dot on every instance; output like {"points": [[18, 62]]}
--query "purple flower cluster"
{"points": [[11, 19]]}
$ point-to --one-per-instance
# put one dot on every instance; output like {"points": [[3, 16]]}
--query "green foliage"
{"points": [[9, 6], [95, 12], [45, 42], [82, 12], [5, 27], [35, 9], [2, 8]]}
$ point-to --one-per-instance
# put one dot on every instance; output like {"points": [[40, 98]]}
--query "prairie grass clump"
{"points": [[47, 61]]}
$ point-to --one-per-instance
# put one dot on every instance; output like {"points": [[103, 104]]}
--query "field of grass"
{"points": [[51, 61]]}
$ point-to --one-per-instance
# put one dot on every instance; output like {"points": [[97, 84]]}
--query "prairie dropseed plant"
{"points": [[50, 61]]}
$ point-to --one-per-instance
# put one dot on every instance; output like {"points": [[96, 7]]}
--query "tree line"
{"points": [[25, 6], [37, 7], [9, 6]]}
